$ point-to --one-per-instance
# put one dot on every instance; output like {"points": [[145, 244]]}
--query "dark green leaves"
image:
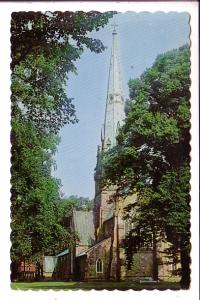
{"points": [[153, 155], [44, 48]]}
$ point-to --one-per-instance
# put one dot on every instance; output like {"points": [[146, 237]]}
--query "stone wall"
{"points": [[102, 251], [63, 268], [80, 268], [168, 269], [107, 230], [96, 211], [105, 248], [142, 266]]}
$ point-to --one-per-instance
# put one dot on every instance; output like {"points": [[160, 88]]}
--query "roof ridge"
{"points": [[85, 252]]}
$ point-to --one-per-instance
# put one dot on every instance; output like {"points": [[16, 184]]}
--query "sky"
{"points": [[142, 37]]}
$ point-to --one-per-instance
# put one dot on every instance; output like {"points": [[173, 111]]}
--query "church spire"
{"points": [[114, 113]]}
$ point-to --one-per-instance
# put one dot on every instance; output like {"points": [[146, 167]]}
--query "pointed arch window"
{"points": [[99, 266]]}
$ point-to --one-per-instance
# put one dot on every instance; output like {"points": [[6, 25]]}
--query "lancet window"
{"points": [[99, 266]]}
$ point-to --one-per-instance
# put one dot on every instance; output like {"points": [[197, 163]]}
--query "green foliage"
{"points": [[36, 224], [34, 33], [152, 156], [44, 49], [77, 203]]}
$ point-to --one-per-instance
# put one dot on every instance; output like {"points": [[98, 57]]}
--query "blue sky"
{"points": [[142, 37]]}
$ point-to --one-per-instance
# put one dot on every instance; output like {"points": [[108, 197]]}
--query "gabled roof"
{"points": [[63, 253], [84, 226], [94, 247]]}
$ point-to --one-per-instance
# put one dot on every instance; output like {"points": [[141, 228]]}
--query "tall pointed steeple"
{"points": [[114, 113], [114, 116]]}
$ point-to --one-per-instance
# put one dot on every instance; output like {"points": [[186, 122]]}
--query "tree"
{"points": [[152, 156], [76, 202], [36, 218], [44, 48]]}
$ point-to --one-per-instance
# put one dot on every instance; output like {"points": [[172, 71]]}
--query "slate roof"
{"points": [[84, 226]]}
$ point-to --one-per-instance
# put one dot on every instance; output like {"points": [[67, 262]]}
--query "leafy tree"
{"points": [[44, 48], [36, 217], [152, 157], [77, 203]]}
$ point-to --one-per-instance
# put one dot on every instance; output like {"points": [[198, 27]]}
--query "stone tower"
{"points": [[114, 116]]}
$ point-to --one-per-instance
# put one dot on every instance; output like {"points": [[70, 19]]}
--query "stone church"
{"points": [[99, 254], [105, 259]]}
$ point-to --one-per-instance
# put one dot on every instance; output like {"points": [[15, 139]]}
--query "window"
{"points": [[99, 266]]}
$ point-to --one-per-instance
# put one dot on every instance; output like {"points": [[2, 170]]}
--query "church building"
{"points": [[105, 259], [100, 254]]}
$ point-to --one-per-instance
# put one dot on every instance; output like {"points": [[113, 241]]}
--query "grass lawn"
{"points": [[55, 285]]}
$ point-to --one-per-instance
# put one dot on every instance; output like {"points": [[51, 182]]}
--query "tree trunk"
{"points": [[108, 275], [37, 271], [24, 266], [118, 264], [42, 273], [155, 260], [110, 257], [185, 266], [14, 270]]}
